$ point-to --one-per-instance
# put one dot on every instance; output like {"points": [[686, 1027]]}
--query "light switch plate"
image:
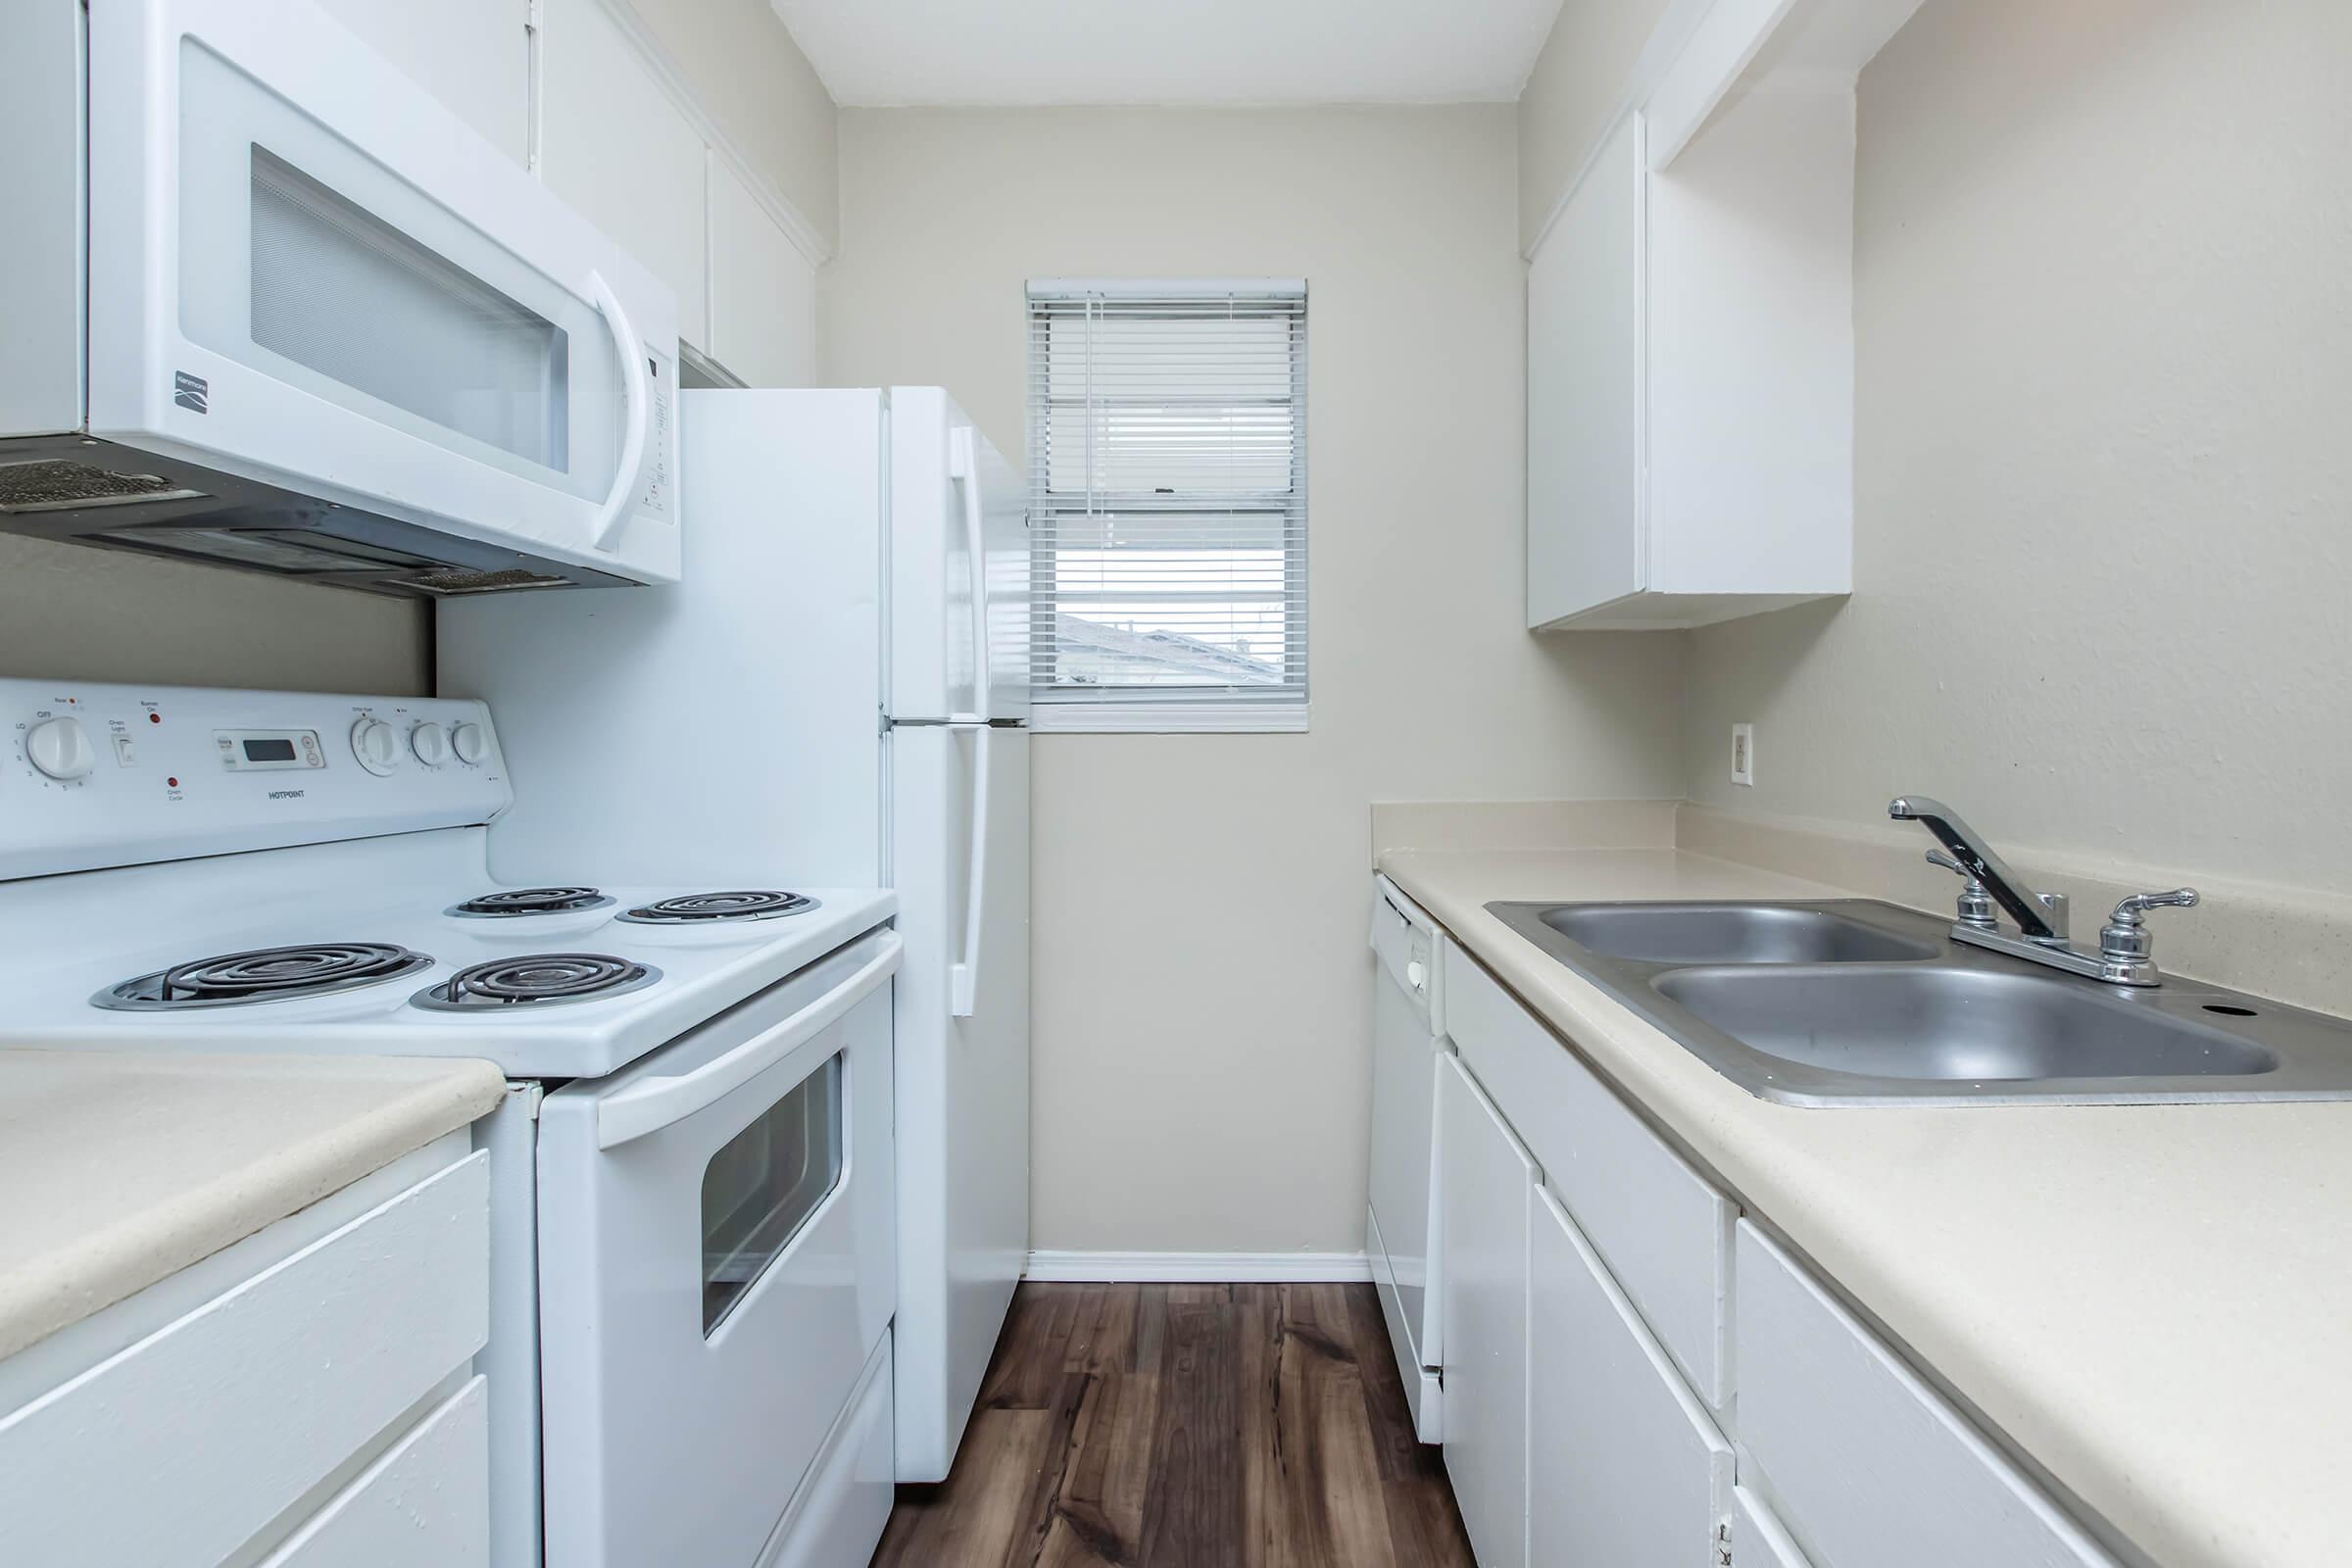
{"points": [[1743, 755]]}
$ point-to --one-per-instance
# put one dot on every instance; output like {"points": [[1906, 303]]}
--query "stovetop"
{"points": [[217, 954]]}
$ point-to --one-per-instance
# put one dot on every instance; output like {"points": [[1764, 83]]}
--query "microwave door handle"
{"points": [[963, 467], [652, 1104], [637, 393], [964, 977]]}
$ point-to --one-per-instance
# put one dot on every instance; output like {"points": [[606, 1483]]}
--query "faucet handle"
{"points": [[2128, 912], [2126, 945], [1976, 904]]}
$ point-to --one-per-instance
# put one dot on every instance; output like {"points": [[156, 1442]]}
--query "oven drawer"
{"points": [[716, 1263]]}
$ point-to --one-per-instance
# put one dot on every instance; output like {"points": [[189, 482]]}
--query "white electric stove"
{"points": [[693, 1176]]}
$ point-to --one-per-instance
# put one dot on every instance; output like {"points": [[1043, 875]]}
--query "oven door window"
{"points": [[766, 1184]]}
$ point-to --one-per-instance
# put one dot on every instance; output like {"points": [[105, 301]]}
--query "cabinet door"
{"points": [[1487, 1184], [763, 290], [1586, 386], [622, 154], [473, 55], [1624, 1465]]}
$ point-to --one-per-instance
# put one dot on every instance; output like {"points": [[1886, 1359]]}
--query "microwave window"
{"points": [[764, 1185], [339, 290]]}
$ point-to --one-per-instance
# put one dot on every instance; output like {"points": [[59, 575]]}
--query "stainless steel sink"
{"points": [[1730, 933], [1851, 1002]]}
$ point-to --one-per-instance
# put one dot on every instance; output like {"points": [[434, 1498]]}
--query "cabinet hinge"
{"points": [[1723, 1543]]}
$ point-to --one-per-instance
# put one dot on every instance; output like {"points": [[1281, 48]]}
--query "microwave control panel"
{"points": [[95, 775]]}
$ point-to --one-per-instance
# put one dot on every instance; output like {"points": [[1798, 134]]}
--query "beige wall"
{"points": [[1577, 85], [2104, 490], [1200, 901], [104, 615]]}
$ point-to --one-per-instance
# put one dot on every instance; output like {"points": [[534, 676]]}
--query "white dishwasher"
{"points": [[1401, 1233]]}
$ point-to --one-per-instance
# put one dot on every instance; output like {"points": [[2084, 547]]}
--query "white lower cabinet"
{"points": [[1636, 1378], [302, 1399], [1624, 1464], [1869, 1464], [1487, 1186]]}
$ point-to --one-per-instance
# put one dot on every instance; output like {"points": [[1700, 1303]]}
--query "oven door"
{"points": [[716, 1263], [304, 271]]}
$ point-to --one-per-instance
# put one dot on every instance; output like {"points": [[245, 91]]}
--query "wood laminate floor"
{"points": [[1186, 1426]]}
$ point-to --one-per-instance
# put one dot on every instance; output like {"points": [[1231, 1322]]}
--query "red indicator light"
{"points": [[155, 718], [171, 783]]}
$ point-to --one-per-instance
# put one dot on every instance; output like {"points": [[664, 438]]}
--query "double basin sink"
{"points": [[1853, 1002]]}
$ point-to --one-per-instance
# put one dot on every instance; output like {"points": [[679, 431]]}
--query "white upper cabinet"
{"points": [[613, 144], [1690, 343], [763, 290], [473, 55]]}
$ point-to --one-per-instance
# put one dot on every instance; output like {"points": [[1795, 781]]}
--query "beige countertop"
{"points": [[117, 1168], [2151, 1302]]}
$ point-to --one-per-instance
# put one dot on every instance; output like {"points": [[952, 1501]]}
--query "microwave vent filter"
{"points": [[453, 580], [53, 484]]}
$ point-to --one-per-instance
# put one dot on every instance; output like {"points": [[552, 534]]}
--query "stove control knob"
{"points": [[60, 747], [430, 742], [469, 743], [375, 746]]}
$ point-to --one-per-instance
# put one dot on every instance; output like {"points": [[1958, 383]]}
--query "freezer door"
{"points": [[955, 500], [963, 1081], [743, 699]]}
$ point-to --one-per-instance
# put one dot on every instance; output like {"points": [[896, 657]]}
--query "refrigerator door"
{"points": [[955, 500], [963, 1081]]}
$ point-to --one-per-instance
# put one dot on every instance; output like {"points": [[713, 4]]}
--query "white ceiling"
{"points": [[894, 52]]}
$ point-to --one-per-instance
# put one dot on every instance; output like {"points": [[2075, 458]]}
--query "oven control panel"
{"points": [[94, 774]]}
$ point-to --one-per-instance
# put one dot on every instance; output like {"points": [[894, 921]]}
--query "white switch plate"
{"points": [[1743, 755]]}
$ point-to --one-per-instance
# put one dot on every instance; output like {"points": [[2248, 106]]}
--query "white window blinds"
{"points": [[1167, 463]]}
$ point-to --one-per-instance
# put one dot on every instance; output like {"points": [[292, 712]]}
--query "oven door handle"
{"points": [[652, 1104]]}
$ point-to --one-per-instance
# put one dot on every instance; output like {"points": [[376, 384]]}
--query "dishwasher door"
{"points": [[1402, 1233]]}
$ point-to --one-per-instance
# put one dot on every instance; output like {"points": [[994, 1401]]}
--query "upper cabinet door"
{"points": [[1586, 376], [763, 290], [615, 147], [473, 55]]}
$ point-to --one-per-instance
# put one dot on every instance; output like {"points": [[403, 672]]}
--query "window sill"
{"points": [[1169, 719]]}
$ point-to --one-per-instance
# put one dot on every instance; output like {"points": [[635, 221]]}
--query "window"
{"points": [[1167, 475]]}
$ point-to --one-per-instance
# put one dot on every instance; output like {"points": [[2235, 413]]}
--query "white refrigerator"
{"points": [[836, 694]]}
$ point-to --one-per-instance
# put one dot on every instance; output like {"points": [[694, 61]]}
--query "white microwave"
{"points": [[265, 302]]}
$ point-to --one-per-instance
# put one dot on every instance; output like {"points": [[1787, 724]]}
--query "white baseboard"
{"points": [[1203, 1269]]}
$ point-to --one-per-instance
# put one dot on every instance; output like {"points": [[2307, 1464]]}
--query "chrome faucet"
{"points": [[2126, 955]]}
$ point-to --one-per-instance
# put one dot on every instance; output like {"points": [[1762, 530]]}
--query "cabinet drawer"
{"points": [[425, 1503], [1871, 1466], [1663, 1230], [225, 1417], [1624, 1464]]}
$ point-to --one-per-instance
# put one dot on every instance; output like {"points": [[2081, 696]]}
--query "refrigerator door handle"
{"points": [[963, 467], [963, 976]]}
